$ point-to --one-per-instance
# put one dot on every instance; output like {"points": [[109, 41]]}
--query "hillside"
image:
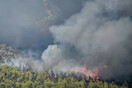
{"points": [[10, 77], [7, 52]]}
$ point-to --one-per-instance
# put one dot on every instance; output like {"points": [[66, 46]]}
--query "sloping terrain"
{"points": [[7, 52], [10, 77]]}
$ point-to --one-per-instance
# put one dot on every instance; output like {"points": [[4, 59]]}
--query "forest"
{"points": [[65, 43], [11, 77]]}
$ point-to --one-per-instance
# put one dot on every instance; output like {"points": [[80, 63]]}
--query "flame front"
{"points": [[92, 75]]}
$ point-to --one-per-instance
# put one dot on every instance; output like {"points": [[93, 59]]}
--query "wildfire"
{"points": [[84, 69], [105, 66], [55, 76], [96, 74], [93, 74], [51, 76]]}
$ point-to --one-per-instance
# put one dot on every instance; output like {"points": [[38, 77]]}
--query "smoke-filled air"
{"points": [[70, 36]]}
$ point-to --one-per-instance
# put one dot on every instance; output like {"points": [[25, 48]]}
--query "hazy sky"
{"points": [[22, 21]]}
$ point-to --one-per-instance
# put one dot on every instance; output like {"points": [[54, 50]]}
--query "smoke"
{"points": [[100, 34], [24, 24]]}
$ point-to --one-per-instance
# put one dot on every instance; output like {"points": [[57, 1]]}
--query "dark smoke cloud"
{"points": [[100, 34], [25, 23], [17, 24]]}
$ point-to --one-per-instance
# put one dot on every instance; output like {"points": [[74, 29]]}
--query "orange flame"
{"points": [[55, 76], [49, 75], [93, 74], [84, 69], [105, 66]]}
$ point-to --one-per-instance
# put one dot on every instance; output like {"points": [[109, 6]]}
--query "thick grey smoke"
{"points": [[100, 34], [25, 23], [17, 24]]}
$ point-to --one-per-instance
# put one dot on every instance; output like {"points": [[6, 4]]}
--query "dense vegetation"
{"points": [[10, 77], [7, 52]]}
